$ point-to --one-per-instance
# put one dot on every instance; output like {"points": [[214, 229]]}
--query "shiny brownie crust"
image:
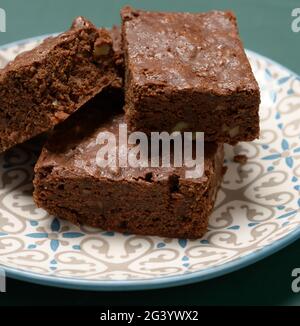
{"points": [[148, 201], [189, 72]]}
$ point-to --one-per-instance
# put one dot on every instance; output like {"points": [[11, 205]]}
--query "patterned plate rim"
{"points": [[160, 282]]}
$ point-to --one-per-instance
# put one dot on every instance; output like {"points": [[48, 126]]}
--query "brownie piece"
{"points": [[241, 158], [189, 72], [108, 50], [149, 201], [42, 87], [118, 55]]}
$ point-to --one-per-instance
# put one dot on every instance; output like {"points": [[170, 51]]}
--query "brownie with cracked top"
{"points": [[189, 72], [42, 87], [149, 201]]}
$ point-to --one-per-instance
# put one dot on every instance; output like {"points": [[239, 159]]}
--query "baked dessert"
{"points": [[149, 201], [189, 72], [118, 55], [42, 87]]}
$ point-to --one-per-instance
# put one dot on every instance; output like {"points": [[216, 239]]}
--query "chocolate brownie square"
{"points": [[189, 72], [42, 87], [149, 201]]}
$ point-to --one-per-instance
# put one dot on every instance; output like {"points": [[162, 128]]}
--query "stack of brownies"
{"points": [[180, 71]]}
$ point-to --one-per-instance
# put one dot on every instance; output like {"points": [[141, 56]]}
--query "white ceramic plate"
{"points": [[256, 214]]}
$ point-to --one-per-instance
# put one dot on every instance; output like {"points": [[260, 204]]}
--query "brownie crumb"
{"points": [[242, 159]]}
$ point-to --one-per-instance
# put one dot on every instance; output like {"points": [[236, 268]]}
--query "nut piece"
{"points": [[101, 50], [225, 127], [103, 44], [234, 131], [55, 103], [60, 115], [81, 22], [180, 126]]}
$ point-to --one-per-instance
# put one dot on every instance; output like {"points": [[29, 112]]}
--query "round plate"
{"points": [[256, 214]]}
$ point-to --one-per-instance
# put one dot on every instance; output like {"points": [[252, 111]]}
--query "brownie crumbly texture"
{"points": [[148, 201], [241, 158], [42, 87], [108, 51], [189, 72], [118, 55]]}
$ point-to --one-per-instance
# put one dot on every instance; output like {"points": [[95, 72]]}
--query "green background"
{"points": [[265, 26]]}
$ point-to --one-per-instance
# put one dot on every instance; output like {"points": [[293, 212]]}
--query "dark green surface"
{"points": [[265, 27]]}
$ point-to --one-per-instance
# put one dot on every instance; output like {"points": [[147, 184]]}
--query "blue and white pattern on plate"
{"points": [[257, 210]]}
